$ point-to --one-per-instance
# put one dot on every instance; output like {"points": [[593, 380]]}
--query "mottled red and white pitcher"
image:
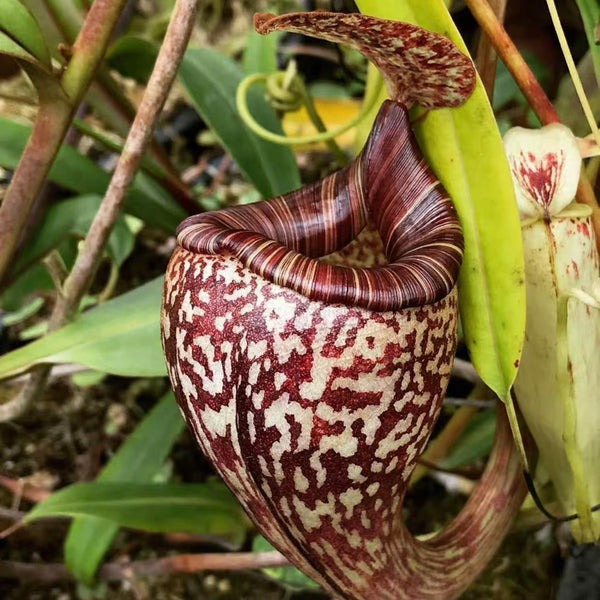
{"points": [[309, 340]]}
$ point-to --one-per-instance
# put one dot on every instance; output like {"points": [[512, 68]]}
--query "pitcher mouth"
{"points": [[389, 184]]}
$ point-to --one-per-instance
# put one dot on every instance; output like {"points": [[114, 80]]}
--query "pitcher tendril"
{"points": [[323, 136]]}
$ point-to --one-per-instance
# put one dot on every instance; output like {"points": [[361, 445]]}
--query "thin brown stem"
{"points": [[86, 265], [529, 85], [118, 571], [154, 97]]}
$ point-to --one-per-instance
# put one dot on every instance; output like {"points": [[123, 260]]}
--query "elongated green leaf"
{"points": [[211, 80], [136, 461], [201, 507], [260, 53], [146, 199], [11, 48], [133, 56], [18, 23], [590, 14], [120, 336], [73, 217], [464, 148], [475, 442]]}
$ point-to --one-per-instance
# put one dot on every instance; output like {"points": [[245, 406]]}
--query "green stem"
{"points": [[311, 110]]}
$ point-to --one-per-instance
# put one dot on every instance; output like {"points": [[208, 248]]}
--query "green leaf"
{"points": [[475, 442], [9, 47], [200, 507], [73, 217], [590, 14], [505, 87], [18, 24], [146, 199], [211, 80], [133, 56], [120, 336], [464, 148], [138, 459], [260, 53], [290, 576]]}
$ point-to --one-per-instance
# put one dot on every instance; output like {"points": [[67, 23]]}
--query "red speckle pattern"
{"points": [[418, 65], [539, 176], [313, 413]]}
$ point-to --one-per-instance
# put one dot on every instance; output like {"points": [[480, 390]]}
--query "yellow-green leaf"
{"points": [[464, 148], [18, 24]]}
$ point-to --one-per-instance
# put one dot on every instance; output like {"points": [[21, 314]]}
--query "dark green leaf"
{"points": [[201, 507], [475, 442], [137, 460], [73, 217], [19, 25], [146, 199], [211, 80], [590, 14], [133, 57], [120, 336]]}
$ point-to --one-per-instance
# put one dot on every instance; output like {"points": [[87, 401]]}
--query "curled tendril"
{"points": [[324, 136]]}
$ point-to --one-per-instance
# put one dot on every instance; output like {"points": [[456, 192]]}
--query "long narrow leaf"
{"points": [[464, 148], [201, 507], [211, 80], [590, 14], [137, 460], [146, 199], [120, 336]]}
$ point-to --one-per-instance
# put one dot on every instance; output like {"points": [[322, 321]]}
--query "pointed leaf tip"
{"points": [[418, 65]]}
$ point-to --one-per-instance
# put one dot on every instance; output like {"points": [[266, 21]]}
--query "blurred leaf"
{"points": [[18, 316], [138, 459], [120, 336], [464, 148], [133, 56], [11, 48], [505, 87], [211, 80], [475, 442], [590, 14], [146, 199], [73, 217], [199, 507], [290, 576], [20, 26], [36, 279], [87, 378], [260, 53]]}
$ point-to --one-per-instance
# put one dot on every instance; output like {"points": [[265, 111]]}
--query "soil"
{"points": [[72, 431]]}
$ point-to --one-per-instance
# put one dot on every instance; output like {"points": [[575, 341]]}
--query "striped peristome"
{"points": [[309, 340], [282, 239]]}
